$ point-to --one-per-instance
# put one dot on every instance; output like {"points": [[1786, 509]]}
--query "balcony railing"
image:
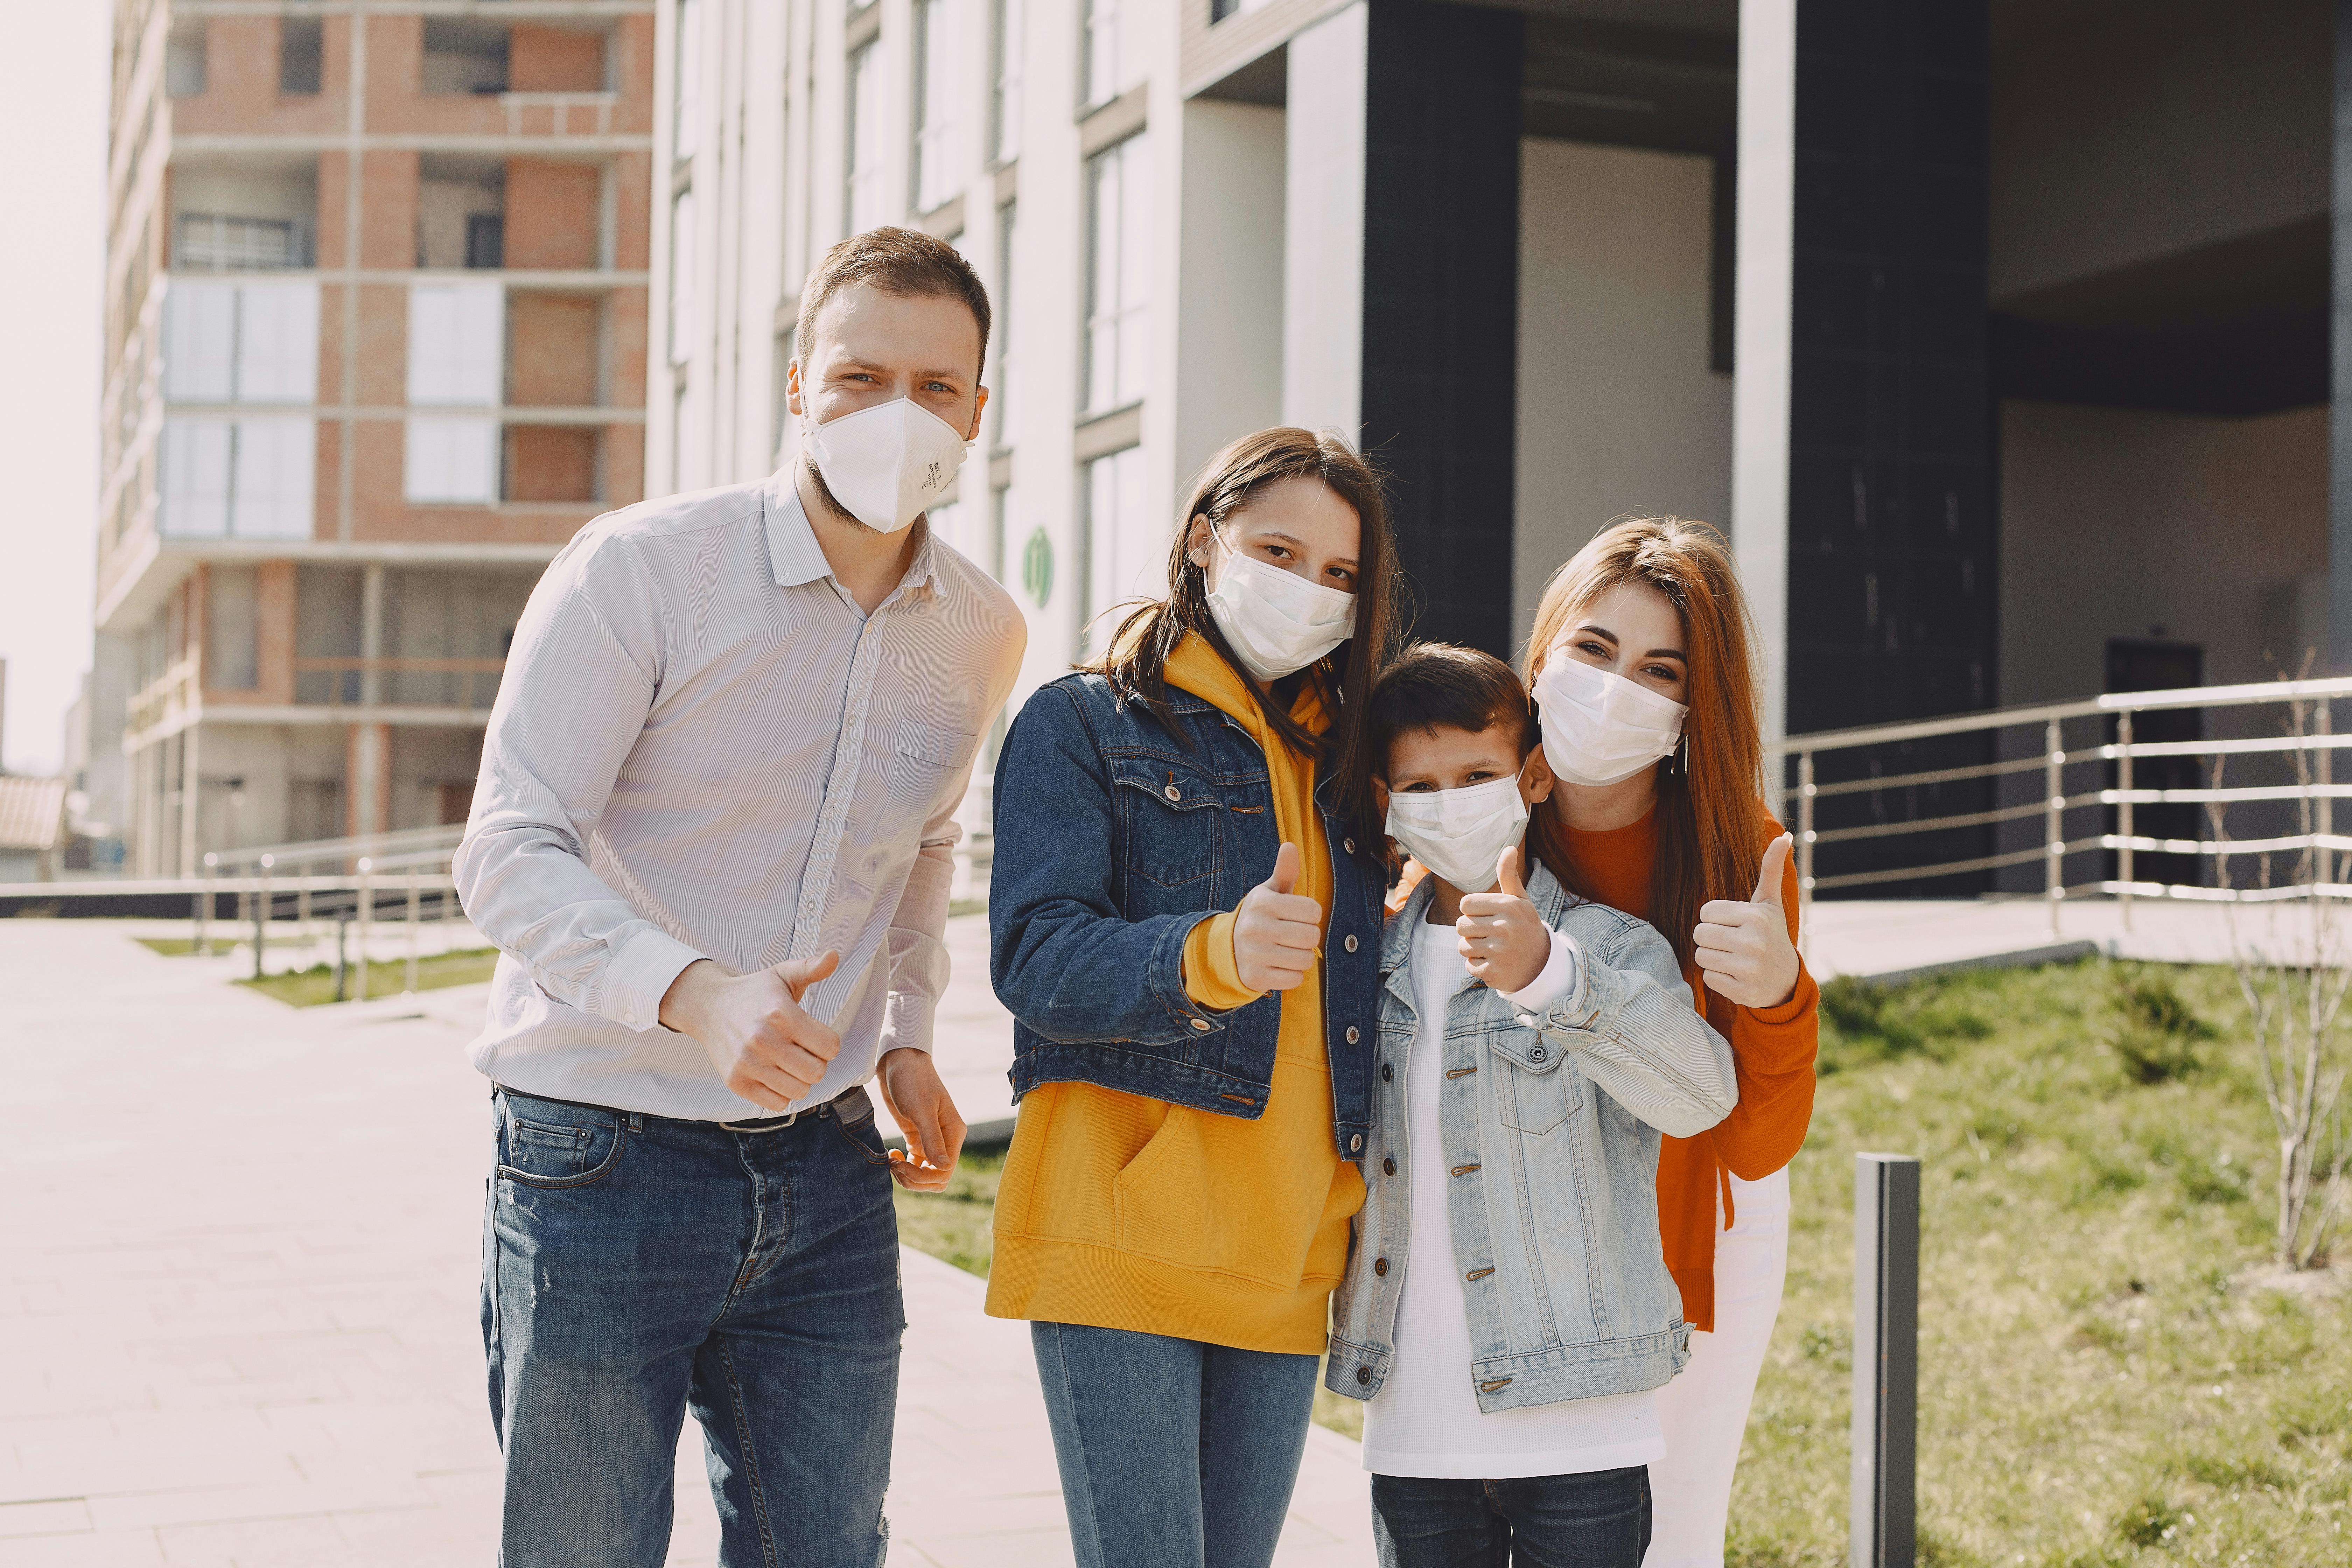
{"points": [[470, 685], [230, 243]]}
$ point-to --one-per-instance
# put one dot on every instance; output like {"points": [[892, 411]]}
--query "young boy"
{"points": [[1507, 1312]]}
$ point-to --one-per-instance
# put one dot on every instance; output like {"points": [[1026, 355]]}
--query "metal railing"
{"points": [[2009, 788], [293, 895]]}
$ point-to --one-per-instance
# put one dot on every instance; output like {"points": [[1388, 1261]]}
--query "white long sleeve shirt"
{"points": [[702, 748]]}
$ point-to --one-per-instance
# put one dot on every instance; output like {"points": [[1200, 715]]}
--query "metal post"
{"points": [[204, 937], [1883, 1524], [343, 932], [2124, 812], [302, 918], [261, 916], [366, 912], [412, 930], [1804, 849], [2054, 820], [2326, 771]]}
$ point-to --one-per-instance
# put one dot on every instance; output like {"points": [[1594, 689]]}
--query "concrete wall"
{"points": [[2115, 522], [1617, 408], [2127, 129], [1229, 330]]}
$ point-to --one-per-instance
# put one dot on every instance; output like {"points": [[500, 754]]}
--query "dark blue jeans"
{"points": [[1173, 1454], [1599, 1520], [635, 1268]]}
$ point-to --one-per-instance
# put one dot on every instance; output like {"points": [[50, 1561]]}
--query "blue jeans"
{"points": [[1173, 1454], [1597, 1520], [635, 1268]]}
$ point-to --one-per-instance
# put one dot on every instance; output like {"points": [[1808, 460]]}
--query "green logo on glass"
{"points": [[1037, 567]]}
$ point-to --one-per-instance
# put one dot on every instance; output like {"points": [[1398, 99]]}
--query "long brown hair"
{"points": [[1711, 833], [1135, 659]]}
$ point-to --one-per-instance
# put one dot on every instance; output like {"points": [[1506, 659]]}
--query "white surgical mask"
{"points": [[1601, 728], [1460, 834], [1275, 622], [887, 463]]}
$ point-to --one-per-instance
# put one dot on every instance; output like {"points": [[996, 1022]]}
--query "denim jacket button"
{"points": [[1535, 1053], [1355, 1144], [1172, 793], [1353, 1033], [1388, 1073], [1349, 846], [1381, 1266], [1363, 1374], [1350, 943], [1388, 1167], [1202, 1025]]}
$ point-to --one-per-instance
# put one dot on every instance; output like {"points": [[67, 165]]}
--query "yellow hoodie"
{"points": [[1120, 1212]]}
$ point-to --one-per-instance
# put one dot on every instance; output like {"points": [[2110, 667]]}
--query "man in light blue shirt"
{"points": [[713, 839]]}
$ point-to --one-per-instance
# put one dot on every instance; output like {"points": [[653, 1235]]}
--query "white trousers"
{"points": [[1704, 1410]]}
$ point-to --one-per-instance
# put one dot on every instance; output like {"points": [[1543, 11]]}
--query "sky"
{"points": [[53, 91]]}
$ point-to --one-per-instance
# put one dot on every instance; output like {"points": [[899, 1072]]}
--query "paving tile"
{"points": [[53, 1515]]}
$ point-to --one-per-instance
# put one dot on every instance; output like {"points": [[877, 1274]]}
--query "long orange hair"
{"points": [[1710, 833]]}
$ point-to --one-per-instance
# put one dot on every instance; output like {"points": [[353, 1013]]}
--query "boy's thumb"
{"points": [[1506, 874]]}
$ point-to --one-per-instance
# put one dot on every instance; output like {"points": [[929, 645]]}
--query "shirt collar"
{"points": [[796, 556]]}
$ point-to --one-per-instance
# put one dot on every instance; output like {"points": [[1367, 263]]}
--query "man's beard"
{"points": [[824, 493]]}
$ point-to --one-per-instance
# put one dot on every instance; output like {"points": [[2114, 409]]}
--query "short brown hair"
{"points": [[1438, 686], [906, 262]]}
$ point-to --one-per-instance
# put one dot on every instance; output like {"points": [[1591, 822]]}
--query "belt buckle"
{"points": [[763, 1124]]}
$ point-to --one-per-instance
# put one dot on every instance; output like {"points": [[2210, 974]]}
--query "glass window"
{"points": [[685, 102], [1116, 545], [1004, 110], [862, 157], [999, 396], [452, 461], [1111, 54], [301, 52], [1117, 249], [934, 55], [457, 338], [184, 60], [684, 285], [232, 598], [999, 520]]}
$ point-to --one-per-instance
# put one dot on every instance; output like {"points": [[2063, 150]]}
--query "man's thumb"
{"points": [[798, 974], [1286, 869], [1776, 865], [1506, 874]]}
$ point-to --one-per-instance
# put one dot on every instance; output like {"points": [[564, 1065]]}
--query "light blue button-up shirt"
{"points": [[702, 748]]}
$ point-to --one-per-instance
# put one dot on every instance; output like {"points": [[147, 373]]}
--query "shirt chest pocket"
{"points": [[923, 775], [1172, 821], [1534, 1089]]}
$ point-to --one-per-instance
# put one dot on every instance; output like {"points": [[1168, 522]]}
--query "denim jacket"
{"points": [[1115, 837], [1551, 1125]]}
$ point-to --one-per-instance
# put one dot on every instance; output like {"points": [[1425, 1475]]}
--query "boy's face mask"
{"points": [[1460, 834]]}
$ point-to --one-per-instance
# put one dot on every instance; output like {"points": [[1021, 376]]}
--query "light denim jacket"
{"points": [[1551, 1125]]}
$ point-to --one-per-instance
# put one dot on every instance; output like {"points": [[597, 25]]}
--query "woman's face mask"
{"points": [[1460, 834], [1276, 623], [1600, 728]]}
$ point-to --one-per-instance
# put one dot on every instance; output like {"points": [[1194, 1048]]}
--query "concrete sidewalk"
{"points": [[238, 1323], [1886, 937]]}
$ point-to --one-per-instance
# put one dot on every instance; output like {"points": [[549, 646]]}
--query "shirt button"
{"points": [[1380, 1266], [1363, 1374], [811, 905], [1388, 1167], [1388, 1073], [1355, 1144], [1353, 1036], [1350, 943], [1202, 1025], [628, 1014]]}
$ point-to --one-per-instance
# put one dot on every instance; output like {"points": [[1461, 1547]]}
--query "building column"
{"points": [[1401, 259], [1863, 495], [191, 796], [2338, 637], [367, 780]]}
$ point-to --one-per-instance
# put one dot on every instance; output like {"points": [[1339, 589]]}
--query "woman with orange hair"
{"points": [[1641, 666]]}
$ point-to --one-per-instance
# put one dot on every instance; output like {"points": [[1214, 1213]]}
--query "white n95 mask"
{"points": [[1276, 623], [887, 463], [1601, 728], [1460, 834]]}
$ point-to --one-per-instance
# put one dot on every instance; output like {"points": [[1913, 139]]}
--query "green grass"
{"points": [[309, 987], [184, 947], [2104, 1380]]}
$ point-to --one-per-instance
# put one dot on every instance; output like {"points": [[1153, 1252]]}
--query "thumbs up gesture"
{"points": [[1743, 949], [1275, 930], [1503, 940], [766, 1048]]}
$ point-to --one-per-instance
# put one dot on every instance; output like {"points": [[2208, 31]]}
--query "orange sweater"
{"points": [[1772, 1049]]}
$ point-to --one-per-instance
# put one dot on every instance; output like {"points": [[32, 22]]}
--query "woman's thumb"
{"points": [[1286, 869], [1776, 863]]}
